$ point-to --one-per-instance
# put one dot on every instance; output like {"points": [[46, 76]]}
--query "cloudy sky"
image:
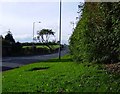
{"points": [[19, 18]]}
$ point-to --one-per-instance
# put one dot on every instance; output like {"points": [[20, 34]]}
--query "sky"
{"points": [[19, 18]]}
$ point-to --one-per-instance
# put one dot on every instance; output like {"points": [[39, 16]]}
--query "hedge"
{"points": [[96, 37]]}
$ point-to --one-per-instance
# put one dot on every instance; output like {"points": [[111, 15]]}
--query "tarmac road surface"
{"points": [[14, 62]]}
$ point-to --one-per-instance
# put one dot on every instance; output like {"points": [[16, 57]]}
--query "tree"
{"points": [[9, 37], [44, 34], [1, 37]]}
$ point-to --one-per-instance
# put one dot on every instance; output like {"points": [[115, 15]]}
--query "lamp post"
{"points": [[60, 33], [33, 31]]}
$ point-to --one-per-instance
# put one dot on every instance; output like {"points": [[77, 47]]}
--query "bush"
{"points": [[10, 49], [29, 44]]}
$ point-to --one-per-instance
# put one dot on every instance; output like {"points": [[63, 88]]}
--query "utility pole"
{"points": [[60, 33]]}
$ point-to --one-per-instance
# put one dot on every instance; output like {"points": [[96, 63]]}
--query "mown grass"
{"points": [[60, 76], [0, 82]]}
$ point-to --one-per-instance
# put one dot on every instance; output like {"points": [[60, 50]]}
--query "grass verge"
{"points": [[60, 76]]}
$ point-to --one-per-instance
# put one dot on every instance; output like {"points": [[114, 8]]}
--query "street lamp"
{"points": [[33, 31], [60, 33]]}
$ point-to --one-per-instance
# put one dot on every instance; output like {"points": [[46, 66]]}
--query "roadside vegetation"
{"points": [[60, 76], [43, 46], [96, 37], [93, 64], [40, 49]]}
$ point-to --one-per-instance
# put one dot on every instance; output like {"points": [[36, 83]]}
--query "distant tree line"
{"points": [[9, 46], [12, 48], [29, 44]]}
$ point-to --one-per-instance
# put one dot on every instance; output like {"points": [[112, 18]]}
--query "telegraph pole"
{"points": [[60, 33]]}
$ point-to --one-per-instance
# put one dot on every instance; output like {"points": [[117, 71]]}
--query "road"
{"points": [[14, 62]]}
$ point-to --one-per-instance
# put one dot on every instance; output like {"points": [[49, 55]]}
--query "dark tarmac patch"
{"points": [[6, 68]]}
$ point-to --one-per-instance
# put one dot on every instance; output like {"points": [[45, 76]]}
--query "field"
{"points": [[43, 46], [60, 76]]}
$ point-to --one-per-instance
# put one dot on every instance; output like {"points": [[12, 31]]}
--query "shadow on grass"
{"points": [[39, 68]]}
